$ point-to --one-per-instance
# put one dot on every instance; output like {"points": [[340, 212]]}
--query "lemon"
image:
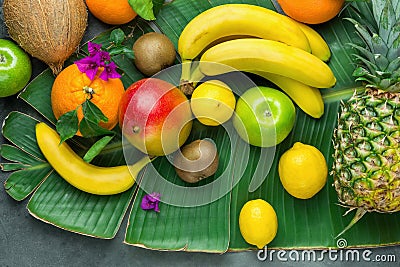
{"points": [[258, 222], [213, 103], [303, 170]]}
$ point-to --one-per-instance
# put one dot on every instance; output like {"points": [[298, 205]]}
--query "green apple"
{"points": [[264, 116], [15, 68]]}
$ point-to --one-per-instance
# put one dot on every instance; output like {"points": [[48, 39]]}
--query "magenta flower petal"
{"points": [[110, 72], [89, 65], [104, 75], [97, 58], [91, 73], [156, 208], [150, 202], [155, 196], [104, 57], [93, 48], [84, 64]]}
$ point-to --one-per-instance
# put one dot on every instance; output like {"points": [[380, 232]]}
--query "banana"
{"points": [[253, 54], [238, 19], [307, 98], [227, 20], [319, 47], [84, 176]]}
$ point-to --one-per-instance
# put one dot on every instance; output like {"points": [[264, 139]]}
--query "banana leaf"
{"points": [[211, 227]]}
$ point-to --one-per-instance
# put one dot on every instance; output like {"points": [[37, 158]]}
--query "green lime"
{"points": [[15, 68]]}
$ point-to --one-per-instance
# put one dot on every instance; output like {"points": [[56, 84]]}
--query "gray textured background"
{"points": [[26, 241]]}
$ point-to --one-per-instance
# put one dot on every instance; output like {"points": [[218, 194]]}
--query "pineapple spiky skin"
{"points": [[366, 169], [366, 166]]}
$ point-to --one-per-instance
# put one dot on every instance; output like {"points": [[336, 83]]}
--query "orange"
{"points": [[311, 11], [71, 88], [113, 12]]}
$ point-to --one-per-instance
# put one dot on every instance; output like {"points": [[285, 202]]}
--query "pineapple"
{"points": [[366, 166]]}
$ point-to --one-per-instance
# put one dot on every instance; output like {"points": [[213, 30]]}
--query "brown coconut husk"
{"points": [[48, 30]]}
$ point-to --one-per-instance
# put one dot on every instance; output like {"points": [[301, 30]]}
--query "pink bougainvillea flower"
{"points": [[104, 57], [150, 202], [110, 71], [89, 65], [93, 48], [97, 58]]}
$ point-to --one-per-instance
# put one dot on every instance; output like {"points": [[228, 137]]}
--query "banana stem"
{"points": [[189, 78], [185, 85], [186, 70], [196, 76]]}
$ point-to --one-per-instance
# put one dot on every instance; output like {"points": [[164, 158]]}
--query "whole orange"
{"points": [[71, 88], [311, 11], [113, 12]]}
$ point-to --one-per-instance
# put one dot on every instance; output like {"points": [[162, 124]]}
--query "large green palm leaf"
{"points": [[212, 227]]}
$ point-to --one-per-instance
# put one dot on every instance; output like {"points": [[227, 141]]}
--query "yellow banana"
{"points": [[319, 47], [307, 98], [84, 176], [252, 54], [238, 19], [233, 20]]}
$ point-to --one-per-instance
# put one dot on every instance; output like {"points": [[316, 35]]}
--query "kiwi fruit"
{"points": [[153, 52], [196, 161]]}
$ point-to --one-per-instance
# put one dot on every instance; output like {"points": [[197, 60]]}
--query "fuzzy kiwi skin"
{"points": [[197, 161], [153, 52], [48, 30]]}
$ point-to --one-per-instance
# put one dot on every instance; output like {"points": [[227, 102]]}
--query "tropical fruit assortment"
{"points": [[278, 49], [89, 100]]}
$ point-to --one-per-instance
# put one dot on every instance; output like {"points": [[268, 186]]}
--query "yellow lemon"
{"points": [[258, 222], [303, 170], [213, 103]]}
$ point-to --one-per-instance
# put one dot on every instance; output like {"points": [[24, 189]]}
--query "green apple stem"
{"points": [[267, 113]]}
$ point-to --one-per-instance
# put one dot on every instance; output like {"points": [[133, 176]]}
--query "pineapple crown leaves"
{"points": [[379, 29]]}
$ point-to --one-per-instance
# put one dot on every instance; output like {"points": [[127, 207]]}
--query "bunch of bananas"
{"points": [[257, 40]]}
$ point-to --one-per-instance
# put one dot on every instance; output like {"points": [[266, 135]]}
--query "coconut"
{"points": [[48, 30]]}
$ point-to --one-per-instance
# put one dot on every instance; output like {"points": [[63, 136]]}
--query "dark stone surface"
{"points": [[26, 241]]}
